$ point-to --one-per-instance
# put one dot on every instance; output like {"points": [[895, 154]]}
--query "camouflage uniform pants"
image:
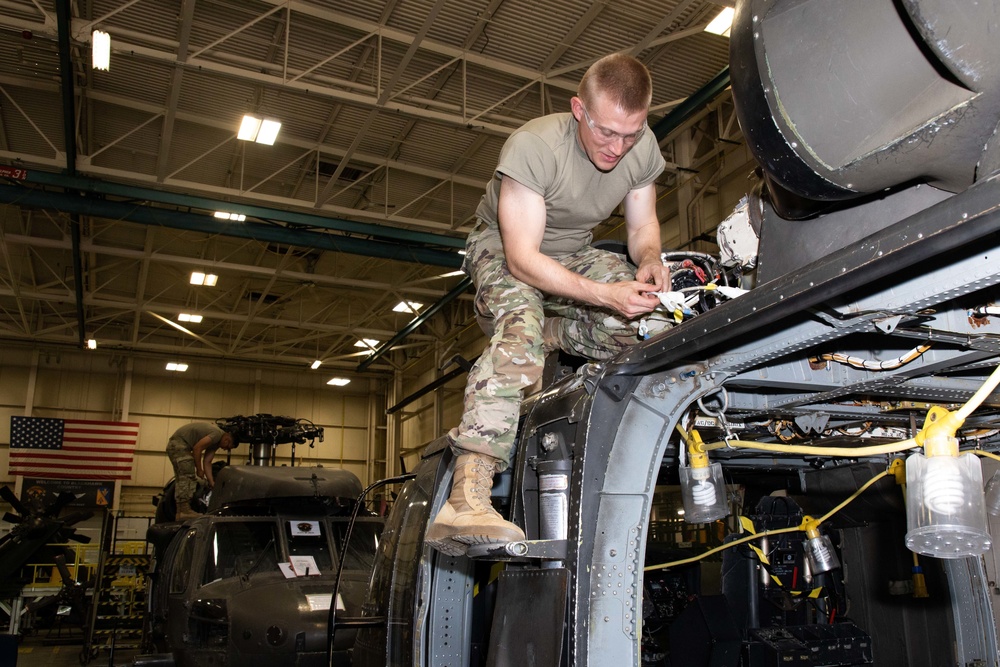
{"points": [[514, 314], [185, 472]]}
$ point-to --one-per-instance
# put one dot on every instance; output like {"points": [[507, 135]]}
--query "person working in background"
{"points": [[191, 449], [540, 285]]}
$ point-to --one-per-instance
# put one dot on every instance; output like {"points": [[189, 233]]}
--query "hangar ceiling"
{"points": [[393, 114]]}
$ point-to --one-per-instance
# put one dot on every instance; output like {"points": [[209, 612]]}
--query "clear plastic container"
{"points": [[703, 492], [993, 495], [945, 507]]}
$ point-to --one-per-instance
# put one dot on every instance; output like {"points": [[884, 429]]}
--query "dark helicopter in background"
{"points": [[730, 492], [251, 582], [263, 432]]}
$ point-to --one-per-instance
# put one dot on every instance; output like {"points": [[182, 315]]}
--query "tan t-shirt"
{"points": [[545, 156], [191, 434]]}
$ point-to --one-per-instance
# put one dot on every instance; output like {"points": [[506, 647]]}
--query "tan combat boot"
{"points": [[468, 517], [184, 514]]}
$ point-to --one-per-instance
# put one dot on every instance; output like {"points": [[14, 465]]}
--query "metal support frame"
{"points": [[629, 420]]}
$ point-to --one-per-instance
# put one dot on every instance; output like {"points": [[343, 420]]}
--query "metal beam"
{"points": [[312, 220], [63, 19], [131, 306], [149, 215], [416, 322], [692, 104], [147, 256]]}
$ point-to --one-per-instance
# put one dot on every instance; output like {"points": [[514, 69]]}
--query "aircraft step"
{"points": [[522, 550]]}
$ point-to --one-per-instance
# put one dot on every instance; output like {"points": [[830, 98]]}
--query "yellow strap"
{"points": [[748, 526]]}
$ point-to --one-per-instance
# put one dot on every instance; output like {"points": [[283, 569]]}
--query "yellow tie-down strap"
{"points": [[748, 526]]}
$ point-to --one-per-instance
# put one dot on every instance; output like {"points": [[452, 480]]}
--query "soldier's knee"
{"points": [[533, 373]]}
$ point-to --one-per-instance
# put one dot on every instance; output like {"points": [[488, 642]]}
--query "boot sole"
{"points": [[442, 538], [448, 546], [479, 538]]}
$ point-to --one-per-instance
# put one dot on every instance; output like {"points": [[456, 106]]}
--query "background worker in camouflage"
{"points": [[540, 285], [191, 449]]}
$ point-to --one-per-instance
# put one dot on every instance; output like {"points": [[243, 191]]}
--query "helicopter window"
{"points": [[308, 538], [182, 563], [364, 544], [241, 549]]}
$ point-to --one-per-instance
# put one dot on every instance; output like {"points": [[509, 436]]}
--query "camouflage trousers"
{"points": [[524, 324], [185, 472]]}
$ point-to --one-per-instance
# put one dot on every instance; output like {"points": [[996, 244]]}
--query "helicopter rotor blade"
{"points": [[8, 495]]}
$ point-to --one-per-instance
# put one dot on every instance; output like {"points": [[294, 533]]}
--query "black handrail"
{"points": [[354, 622]]}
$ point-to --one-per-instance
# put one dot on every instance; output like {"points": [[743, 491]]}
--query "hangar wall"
{"points": [[102, 385]]}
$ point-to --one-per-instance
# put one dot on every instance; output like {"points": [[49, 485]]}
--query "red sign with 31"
{"points": [[13, 172]]}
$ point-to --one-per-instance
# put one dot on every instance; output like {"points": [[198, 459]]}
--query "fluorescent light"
{"points": [[91, 344], [261, 130], [207, 279], [186, 317], [171, 366], [249, 128], [452, 274], [316, 364], [100, 44], [268, 131], [368, 342], [407, 307], [225, 215], [338, 382], [722, 23]]}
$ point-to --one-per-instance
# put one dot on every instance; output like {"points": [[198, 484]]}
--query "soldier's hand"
{"points": [[631, 298], [656, 274]]}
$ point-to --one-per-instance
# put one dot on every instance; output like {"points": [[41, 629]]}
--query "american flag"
{"points": [[72, 448]]}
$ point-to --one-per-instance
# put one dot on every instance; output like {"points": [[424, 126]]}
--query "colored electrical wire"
{"points": [[813, 450], [875, 364]]}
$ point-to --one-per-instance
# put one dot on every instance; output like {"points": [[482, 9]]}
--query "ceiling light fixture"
{"points": [[261, 130], [172, 366], [316, 364], [339, 382], [407, 307], [224, 215], [722, 23], [187, 317], [369, 343], [91, 344], [100, 44], [206, 279]]}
